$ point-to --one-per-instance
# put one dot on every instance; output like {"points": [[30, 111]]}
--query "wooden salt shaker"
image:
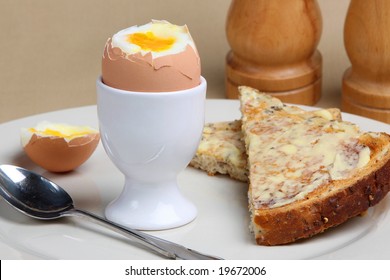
{"points": [[366, 84], [273, 48]]}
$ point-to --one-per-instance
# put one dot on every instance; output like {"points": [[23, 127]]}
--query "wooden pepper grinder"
{"points": [[366, 84], [273, 48]]}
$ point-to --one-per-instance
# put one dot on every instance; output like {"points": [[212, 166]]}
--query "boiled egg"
{"points": [[59, 147], [158, 56]]}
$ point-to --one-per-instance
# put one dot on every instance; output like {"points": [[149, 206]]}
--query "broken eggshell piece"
{"points": [[59, 147]]}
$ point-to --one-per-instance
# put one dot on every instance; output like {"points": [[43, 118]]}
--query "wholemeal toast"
{"points": [[222, 150], [307, 174]]}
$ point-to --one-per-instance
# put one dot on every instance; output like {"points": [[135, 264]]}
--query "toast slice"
{"points": [[307, 174], [222, 150]]}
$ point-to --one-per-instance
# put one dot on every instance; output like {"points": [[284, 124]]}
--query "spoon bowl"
{"points": [[32, 194], [40, 198]]}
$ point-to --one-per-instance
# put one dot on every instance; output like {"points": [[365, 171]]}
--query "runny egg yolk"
{"points": [[150, 42]]}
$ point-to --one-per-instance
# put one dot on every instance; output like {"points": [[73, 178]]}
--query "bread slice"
{"points": [[307, 173], [222, 150]]}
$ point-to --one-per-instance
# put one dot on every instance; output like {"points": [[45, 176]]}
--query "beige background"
{"points": [[50, 50]]}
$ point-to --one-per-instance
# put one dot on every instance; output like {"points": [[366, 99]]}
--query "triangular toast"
{"points": [[307, 174]]}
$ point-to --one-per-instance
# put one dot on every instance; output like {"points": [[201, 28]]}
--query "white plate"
{"points": [[221, 227]]}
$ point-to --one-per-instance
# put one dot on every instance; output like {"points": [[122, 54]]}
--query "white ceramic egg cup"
{"points": [[151, 137]]}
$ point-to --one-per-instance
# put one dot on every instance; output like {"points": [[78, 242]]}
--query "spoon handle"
{"points": [[164, 247]]}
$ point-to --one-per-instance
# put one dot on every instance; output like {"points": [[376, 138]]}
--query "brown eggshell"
{"points": [[143, 73], [55, 154]]}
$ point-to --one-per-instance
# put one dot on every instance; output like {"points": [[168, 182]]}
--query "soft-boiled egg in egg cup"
{"points": [[155, 57], [59, 147], [151, 102]]}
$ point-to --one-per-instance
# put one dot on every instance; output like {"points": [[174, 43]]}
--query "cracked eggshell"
{"points": [[144, 72], [56, 153]]}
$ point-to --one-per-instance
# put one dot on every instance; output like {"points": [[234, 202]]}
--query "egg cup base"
{"points": [[151, 206]]}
